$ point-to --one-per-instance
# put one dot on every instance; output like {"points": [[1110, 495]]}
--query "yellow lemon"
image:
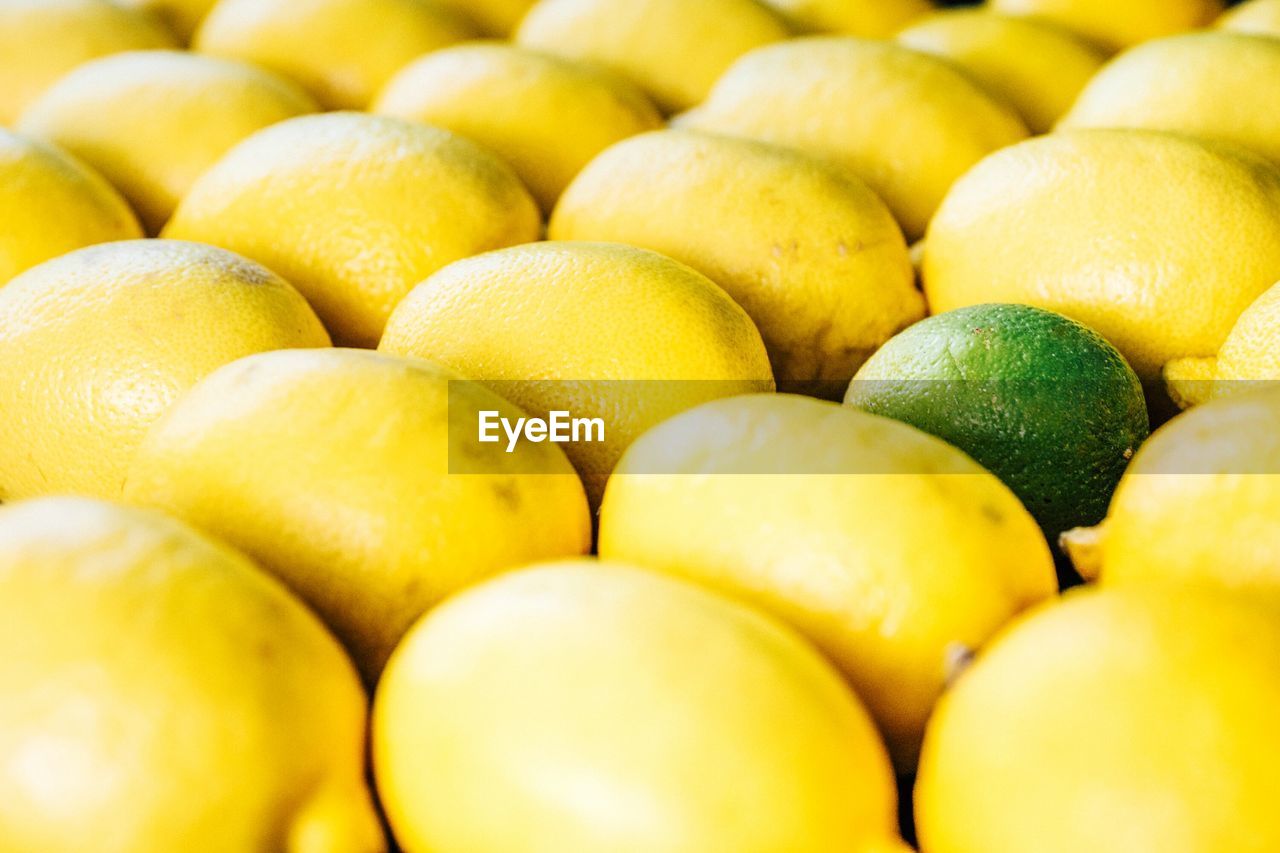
{"points": [[40, 40], [95, 346], [50, 204], [1201, 84], [909, 124], [805, 247], [1116, 721], [596, 330], [1115, 26], [496, 18], [891, 550], [342, 51], [869, 18], [1248, 358], [545, 115], [162, 694], [599, 707], [152, 121], [1198, 504], [1036, 66], [1254, 16], [673, 49], [355, 210], [1134, 233], [181, 16], [342, 472]]}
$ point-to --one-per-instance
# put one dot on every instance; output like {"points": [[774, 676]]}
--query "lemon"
{"points": [[1249, 357], [891, 550], [95, 346], [599, 707], [355, 210], [40, 40], [805, 247], [152, 121], [673, 49], [597, 330], [341, 471], [496, 18], [869, 18], [1200, 84], [546, 116], [909, 124], [51, 203], [162, 694], [181, 16], [1198, 504], [1116, 721], [1134, 233], [1254, 16], [1037, 67], [1115, 26], [342, 51]]}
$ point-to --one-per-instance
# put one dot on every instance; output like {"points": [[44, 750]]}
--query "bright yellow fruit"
{"points": [[599, 330], [1036, 66], [181, 16], [163, 694], [1116, 721], [95, 346], [1138, 234], [1199, 502], [1200, 84], [355, 210], [545, 115], [50, 204], [673, 49], [153, 121], [1249, 357], [909, 124], [40, 40], [497, 18], [891, 550], [868, 18], [1255, 16], [598, 707], [1114, 26], [805, 247], [342, 51], [355, 478]]}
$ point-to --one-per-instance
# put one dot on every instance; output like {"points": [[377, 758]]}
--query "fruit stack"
{"points": [[639, 426]]}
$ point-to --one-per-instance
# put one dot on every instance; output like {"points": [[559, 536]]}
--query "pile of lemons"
{"points": [[265, 265]]}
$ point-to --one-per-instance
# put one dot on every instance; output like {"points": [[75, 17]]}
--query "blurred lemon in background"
{"points": [[870, 18], [181, 16], [1115, 26]]}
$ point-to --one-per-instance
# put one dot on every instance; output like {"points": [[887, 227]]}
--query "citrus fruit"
{"points": [[804, 246], [1201, 84], [598, 330], [600, 707], [1249, 357], [545, 115], [869, 18], [355, 210], [51, 203], [672, 49], [181, 16], [162, 693], [1115, 26], [892, 551], [1253, 16], [1043, 402], [95, 345], [152, 121], [1136, 234], [907, 123], [1198, 504], [342, 51], [332, 468], [40, 40], [497, 18], [1037, 67], [1116, 721]]}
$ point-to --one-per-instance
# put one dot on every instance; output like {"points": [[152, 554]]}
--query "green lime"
{"points": [[1043, 402]]}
